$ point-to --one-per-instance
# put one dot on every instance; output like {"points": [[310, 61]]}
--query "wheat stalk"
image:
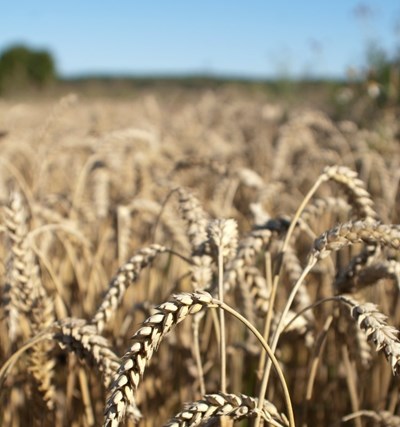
{"points": [[223, 239]]}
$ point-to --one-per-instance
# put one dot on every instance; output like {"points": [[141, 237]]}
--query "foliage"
{"points": [[383, 69], [22, 68]]}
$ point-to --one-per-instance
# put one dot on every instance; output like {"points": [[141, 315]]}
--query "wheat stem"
{"points": [[271, 356], [316, 358], [197, 354], [278, 332], [222, 320]]}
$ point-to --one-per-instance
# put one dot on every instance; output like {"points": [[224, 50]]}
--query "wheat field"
{"points": [[268, 232]]}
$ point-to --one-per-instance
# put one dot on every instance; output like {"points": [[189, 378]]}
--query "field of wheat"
{"points": [[268, 233]]}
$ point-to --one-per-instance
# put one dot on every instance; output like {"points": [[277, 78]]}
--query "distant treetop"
{"points": [[24, 68]]}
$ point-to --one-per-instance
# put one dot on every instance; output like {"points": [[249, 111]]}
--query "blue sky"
{"points": [[256, 38]]}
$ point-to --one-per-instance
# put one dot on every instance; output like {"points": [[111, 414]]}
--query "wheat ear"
{"points": [[81, 338], [343, 235], [147, 339], [29, 297], [355, 188], [196, 220], [248, 248], [373, 323], [384, 418], [233, 406], [126, 275], [145, 342], [345, 282], [348, 233]]}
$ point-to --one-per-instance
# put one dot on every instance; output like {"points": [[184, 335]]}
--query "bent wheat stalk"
{"points": [[223, 238], [147, 340], [343, 235]]}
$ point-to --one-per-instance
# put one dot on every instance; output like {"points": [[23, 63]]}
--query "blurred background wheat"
{"points": [[268, 190]]}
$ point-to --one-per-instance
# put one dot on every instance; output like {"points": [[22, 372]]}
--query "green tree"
{"points": [[382, 73], [22, 68]]}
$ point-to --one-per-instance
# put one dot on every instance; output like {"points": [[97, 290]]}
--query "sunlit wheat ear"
{"points": [[196, 220], [359, 197], [345, 281], [214, 165], [384, 418], [349, 233], [126, 275], [343, 235], [249, 247], [23, 272], [41, 362], [364, 207], [201, 271], [145, 342], [223, 237], [233, 406], [374, 324], [81, 338], [28, 297], [357, 341], [17, 296], [318, 207], [370, 274]]}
